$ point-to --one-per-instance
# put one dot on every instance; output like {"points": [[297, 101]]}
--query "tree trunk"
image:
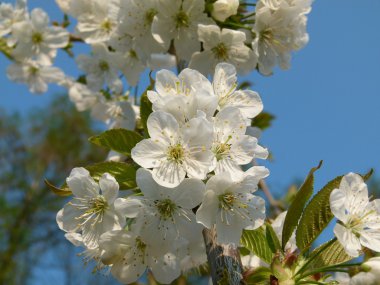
{"points": [[224, 261]]}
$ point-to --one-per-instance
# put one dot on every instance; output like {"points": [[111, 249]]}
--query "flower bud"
{"points": [[222, 9]]}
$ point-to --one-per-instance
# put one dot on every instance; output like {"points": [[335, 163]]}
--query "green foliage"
{"points": [[5, 49], [260, 276], [63, 192], [263, 120], [124, 173], [297, 206], [145, 110], [273, 240], [317, 214], [257, 242], [329, 253], [119, 140]]}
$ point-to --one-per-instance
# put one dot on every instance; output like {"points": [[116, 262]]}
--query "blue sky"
{"points": [[327, 104]]}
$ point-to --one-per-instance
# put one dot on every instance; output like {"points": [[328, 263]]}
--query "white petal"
{"points": [[206, 214], [67, 218], [147, 184], [149, 153], [81, 183], [109, 187], [231, 232], [162, 126], [247, 101], [169, 174], [371, 238], [130, 207], [348, 240], [189, 193], [337, 204], [166, 268], [224, 79]]}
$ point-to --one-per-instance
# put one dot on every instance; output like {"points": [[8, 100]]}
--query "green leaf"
{"points": [[63, 192], [124, 173], [263, 120], [272, 238], [329, 253], [119, 140], [257, 242], [261, 275], [145, 109], [297, 206], [317, 214]]}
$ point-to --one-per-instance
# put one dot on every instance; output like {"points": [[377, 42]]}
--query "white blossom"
{"points": [[229, 205], [130, 255], [99, 20], [279, 32], [11, 15], [173, 151], [33, 74], [163, 215], [231, 146], [223, 9], [115, 113], [35, 38], [222, 45], [225, 82], [358, 218], [183, 96], [91, 212], [178, 20], [101, 68], [136, 20], [83, 97]]}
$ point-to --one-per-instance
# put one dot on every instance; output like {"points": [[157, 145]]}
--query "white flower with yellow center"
{"points": [[279, 32], [178, 20], [35, 75], [101, 68], [230, 206], [91, 212], [231, 146], [358, 218], [173, 151], [225, 82], [222, 45], [136, 20], [162, 214], [130, 255], [35, 38], [98, 22], [183, 96], [10, 15]]}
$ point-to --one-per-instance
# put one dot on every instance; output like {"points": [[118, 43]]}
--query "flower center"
{"points": [[149, 15], [182, 20], [37, 38], [226, 201], [140, 244], [266, 35], [176, 153], [107, 25], [98, 205], [103, 65], [220, 51], [33, 70], [221, 150], [133, 54], [166, 208]]}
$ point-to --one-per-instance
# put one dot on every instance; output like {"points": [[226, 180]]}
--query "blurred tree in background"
{"points": [[44, 144]]}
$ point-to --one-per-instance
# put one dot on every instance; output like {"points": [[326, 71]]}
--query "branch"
{"points": [[224, 261]]}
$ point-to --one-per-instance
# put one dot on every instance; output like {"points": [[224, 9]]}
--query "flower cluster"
{"points": [[191, 177], [130, 36]]}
